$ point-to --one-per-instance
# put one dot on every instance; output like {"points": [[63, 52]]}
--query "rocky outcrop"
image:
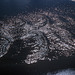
{"points": [[43, 35]]}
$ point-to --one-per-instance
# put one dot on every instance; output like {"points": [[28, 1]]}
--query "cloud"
{"points": [[73, 0], [64, 72]]}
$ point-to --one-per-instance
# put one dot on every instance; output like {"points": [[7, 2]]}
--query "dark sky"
{"points": [[13, 7]]}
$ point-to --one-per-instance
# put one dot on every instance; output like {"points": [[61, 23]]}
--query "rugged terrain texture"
{"points": [[42, 35]]}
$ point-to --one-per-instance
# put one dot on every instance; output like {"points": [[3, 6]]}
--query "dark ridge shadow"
{"points": [[40, 67], [70, 28], [17, 52]]}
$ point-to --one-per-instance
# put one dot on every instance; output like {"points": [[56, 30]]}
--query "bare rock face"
{"points": [[38, 44], [45, 36]]}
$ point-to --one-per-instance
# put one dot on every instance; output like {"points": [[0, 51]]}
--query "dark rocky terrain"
{"points": [[39, 41]]}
